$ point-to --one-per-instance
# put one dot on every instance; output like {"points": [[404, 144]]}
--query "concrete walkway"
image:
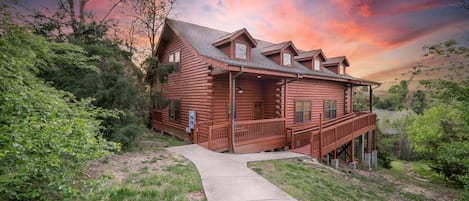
{"points": [[226, 177]]}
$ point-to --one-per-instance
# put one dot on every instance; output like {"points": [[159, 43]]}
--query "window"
{"points": [[241, 51], [341, 69], [286, 59], [330, 109], [317, 65], [175, 59], [302, 111], [175, 110]]}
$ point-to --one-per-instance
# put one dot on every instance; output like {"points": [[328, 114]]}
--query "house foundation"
{"points": [[367, 160], [335, 163], [352, 165], [374, 158]]}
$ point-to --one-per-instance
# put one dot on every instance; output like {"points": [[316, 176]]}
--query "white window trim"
{"points": [[317, 64], [290, 59], [245, 56]]}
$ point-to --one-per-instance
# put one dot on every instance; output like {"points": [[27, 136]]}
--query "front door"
{"points": [[258, 110]]}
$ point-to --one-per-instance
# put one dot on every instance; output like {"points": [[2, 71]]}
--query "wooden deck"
{"points": [[329, 137]]}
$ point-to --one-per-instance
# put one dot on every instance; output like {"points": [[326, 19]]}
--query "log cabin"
{"points": [[232, 92]]}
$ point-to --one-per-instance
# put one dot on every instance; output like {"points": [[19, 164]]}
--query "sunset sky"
{"points": [[374, 35]]}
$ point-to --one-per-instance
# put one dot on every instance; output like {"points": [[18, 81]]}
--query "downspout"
{"points": [[233, 109]]}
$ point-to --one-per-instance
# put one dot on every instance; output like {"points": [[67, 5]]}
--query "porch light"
{"points": [[259, 76], [240, 90]]}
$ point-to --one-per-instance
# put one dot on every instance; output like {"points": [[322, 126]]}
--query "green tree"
{"points": [[442, 131], [46, 136], [117, 84]]}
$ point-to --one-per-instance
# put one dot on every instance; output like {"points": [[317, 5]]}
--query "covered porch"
{"points": [[247, 114]]}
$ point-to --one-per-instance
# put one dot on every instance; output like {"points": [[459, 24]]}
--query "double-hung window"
{"points": [[302, 111], [175, 59], [287, 61], [330, 109], [175, 110], [241, 51]]}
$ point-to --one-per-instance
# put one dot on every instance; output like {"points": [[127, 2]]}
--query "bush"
{"points": [[47, 136]]}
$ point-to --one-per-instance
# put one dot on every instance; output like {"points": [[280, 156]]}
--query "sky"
{"points": [[374, 35]]}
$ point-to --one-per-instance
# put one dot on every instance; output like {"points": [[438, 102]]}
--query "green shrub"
{"points": [[46, 135]]}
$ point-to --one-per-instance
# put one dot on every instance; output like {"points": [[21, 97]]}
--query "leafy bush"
{"points": [[46, 135]]}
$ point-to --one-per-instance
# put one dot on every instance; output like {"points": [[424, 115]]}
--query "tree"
{"points": [[418, 102], [117, 84], [442, 131], [149, 16], [46, 136]]}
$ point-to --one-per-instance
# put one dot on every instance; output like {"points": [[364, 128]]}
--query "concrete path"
{"points": [[226, 177]]}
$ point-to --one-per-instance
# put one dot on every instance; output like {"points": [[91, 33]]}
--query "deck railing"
{"points": [[244, 131], [157, 119], [300, 135], [255, 129], [334, 136]]}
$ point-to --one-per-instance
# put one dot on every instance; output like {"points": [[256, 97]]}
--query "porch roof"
{"points": [[201, 39]]}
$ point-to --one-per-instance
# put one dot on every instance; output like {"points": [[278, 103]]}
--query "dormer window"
{"points": [[317, 64], [241, 51], [341, 69], [287, 61]]}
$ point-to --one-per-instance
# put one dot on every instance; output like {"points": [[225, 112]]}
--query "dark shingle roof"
{"points": [[309, 54], [336, 61], [201, 39], [229, 36]]}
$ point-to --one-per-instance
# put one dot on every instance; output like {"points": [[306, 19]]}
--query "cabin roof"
{"points": [[311, 54], [201, 39], [336, 60], [230, 36]]}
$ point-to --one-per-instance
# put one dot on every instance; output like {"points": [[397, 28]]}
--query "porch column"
{"points": [[334, 160], [374, 152], [352, 163], [230, 106], [287, 138], [367, 161], [371, 99], [361, 148]]}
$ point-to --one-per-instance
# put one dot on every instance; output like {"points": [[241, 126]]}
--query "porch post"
{"points": [[320, 137], [361, 148], [352, 163], [371, 99], [230, 104], [285, 111], [334, 160], [368, 150], [374, 152]]}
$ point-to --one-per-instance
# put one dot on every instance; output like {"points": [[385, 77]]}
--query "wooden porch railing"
{"points": [[218, 136], [300, 135], [244, 131], [157, 119], [201, 130], [341, 133], [255, 129]]}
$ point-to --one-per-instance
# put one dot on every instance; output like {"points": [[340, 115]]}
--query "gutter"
{"points": [[233, 109]]}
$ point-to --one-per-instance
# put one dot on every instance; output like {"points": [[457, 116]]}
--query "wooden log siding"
{"points": [[317, 91], [191, 85], [255, 90]]}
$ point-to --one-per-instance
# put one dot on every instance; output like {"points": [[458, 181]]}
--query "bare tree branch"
{"points": [[110, 10]]}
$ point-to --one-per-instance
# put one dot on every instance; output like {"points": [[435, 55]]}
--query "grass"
{"points": [[422, 168], [303, 182], [161, 176]]}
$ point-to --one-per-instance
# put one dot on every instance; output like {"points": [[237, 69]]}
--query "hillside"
{"points": [[427, 69]]}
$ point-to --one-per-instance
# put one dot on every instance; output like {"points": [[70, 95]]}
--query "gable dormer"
{"points": [[337, 64], [282, 53], [313, 59], [236, 45]]}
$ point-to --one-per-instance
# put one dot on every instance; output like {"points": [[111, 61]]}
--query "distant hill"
{"points": [[433, 68]]}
